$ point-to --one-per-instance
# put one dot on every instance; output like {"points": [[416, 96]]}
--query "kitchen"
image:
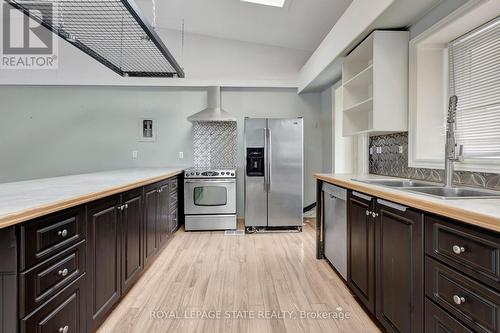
{"points": [[182, 167]]}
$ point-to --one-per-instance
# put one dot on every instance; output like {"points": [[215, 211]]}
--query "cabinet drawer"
{"points": [[43, 281], [470, 250], [439, 321], [46, 236], [471, 301], [64, 313]]}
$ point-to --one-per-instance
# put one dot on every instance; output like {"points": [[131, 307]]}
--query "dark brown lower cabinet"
{"points": [[75, 265], [132, 238], [439, 321], [163, 212], [361, 249], [64, 313], [385, 250], [150, 222], [399, 256], [104, 256]]}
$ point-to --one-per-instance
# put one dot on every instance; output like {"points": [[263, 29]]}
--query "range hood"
{"points": [[213, 112], [113, 32]]}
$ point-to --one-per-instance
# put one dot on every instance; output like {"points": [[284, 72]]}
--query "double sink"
{"points": [[433, 189]]}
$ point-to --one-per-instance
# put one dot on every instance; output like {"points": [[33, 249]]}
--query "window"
{"points": [[475, 78]]}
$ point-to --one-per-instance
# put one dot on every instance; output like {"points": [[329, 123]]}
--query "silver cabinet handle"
{"points": [[458, 249], [63, 272], [374, 215], [362, 196], [63, 233], [126, 206], [64, 329], [458, 299], [392, 205], [368, 213]]}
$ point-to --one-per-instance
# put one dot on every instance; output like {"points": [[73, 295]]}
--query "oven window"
{"points": [[210, 196]]}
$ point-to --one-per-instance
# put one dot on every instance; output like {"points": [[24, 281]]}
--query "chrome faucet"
{"points": [[451, 153]]}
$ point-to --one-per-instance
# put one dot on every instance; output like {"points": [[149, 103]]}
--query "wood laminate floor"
{"points": [[209, 282]]}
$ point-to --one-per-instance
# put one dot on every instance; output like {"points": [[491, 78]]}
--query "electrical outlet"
{"points": [[379, 150], [181, 155], [134, 154], [400, 149], [371, 150]]}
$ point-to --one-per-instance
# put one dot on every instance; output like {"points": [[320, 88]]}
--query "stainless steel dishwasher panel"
{"points": [[335, 221]]}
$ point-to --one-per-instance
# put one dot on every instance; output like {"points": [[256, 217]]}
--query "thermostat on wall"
{"points": [[147, 130]]}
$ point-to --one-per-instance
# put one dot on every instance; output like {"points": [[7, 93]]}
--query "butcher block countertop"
{"points": [[25, 200], [484, 213]]}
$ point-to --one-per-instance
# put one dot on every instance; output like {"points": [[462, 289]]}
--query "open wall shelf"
{"points": [[113, 32], [374, 85]]}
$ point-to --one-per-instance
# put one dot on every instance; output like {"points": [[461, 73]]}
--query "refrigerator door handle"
{"points": [[265, 161], [269, 164]]}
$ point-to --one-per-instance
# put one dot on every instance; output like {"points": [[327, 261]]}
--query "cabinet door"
{"points": [[399, 267], [361, 249], [150, 222], [103, 258], [132, 237], [163, 212]]}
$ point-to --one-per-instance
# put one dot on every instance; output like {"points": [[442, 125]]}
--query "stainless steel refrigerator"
{"points": [[274, 162]]}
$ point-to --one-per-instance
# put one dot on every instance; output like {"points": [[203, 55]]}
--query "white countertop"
{"points": [[480, 212], [25, 200]]}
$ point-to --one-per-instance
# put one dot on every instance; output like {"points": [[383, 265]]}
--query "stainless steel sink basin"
{"points": [[457, 193], [400, 183]]}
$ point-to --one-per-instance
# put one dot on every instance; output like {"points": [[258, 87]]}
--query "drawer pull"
{"points": [[374, 215], [64, 329], [63, 272], [368, 213], [63, 233], [458, 249], [458, 299]]}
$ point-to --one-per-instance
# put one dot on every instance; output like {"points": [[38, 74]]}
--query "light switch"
{"points": [[379, 150], [181, 155], [134, 154], [400, 149]]}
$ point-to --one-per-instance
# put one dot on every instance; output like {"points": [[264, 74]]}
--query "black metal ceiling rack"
{"points": [[114, 32]]}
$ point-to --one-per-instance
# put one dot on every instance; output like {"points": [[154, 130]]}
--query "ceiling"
{"points": [[301, 24]]}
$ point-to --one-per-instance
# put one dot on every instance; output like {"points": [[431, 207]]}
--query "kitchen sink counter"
{"points": [[25, 200], [480, 212]]}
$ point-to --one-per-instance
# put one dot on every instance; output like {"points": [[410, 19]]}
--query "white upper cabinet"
{"points": [[375, 85]]}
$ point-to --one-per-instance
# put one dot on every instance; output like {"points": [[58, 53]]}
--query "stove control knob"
{"points": [[192, 173], [232, 173], [197, 173]]}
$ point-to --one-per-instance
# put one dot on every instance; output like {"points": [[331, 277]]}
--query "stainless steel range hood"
{"points": [[213, 112]]}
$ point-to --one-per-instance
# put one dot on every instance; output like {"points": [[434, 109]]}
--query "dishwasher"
{"points": [[335, 227]]}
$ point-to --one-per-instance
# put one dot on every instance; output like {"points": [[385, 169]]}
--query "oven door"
{"points": [[209, 196]]}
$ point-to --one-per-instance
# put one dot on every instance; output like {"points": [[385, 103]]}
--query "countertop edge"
{"points": [[464, 215], [38, 211]]}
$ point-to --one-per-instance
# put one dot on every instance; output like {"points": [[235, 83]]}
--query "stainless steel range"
{"points": [[210, 199]]}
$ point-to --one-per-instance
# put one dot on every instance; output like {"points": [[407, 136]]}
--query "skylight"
{"points": [[274, 3]]}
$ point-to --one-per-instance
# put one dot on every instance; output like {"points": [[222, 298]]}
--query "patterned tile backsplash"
{"points": [[215, 144], [390, 162]]}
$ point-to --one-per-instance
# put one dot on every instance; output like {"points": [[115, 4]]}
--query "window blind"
{"points": [[475, 79]]}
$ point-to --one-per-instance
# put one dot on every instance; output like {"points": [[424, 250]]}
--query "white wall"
{"points": [[52, 131]]}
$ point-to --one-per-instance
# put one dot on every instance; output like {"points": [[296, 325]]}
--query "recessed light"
{"points": [[274, 3]]}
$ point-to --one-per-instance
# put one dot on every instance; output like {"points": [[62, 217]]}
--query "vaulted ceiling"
{"points": [[300, 24]]}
